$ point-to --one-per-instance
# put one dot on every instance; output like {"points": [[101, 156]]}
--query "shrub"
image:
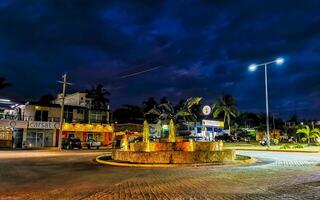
{"points": [[304, 139], [290, 140], [285, 146], [275, 141], [298, 146]]}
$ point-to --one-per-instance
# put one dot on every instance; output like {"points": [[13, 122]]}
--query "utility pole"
{"points": [[64, 84]]}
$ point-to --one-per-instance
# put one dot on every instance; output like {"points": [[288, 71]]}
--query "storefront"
{"points": [[14, 131], [37, 138], [208, 130], [5, 138], [40, 134], [85, 132]]}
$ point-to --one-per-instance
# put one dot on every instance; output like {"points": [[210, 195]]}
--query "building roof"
{"points": [[52, 105], [128, 127]]}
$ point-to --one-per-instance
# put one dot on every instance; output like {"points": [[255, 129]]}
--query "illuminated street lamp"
{"points": [[252, 68]]}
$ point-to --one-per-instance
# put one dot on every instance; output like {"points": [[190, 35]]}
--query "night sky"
{"points": [[187, 48]]}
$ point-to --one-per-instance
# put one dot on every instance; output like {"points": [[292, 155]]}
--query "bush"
{"points": [[275, 141], [285, 146], [304, 140], [298, 146], [291, 140]]}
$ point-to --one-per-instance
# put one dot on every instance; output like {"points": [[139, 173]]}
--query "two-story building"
{"points": [[37, 124]]}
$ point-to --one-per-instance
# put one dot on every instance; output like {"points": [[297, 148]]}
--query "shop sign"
{"points": [[44, 125], [87, 128], [13, 124], [212, 123]]}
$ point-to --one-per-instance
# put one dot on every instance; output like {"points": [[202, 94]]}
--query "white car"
{"points": [[92, 143]]}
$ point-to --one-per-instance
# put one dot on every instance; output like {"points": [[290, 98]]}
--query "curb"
{"points": [[113, 163], [275, 150]]}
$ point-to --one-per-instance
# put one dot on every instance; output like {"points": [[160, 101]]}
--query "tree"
{"points": [[99, 96], [225, 105], [128, 114], [186, 112], [248, 119], [164, 110], [148, 105], [4, 83], [308, 133]]}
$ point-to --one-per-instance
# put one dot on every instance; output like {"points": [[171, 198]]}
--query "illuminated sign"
{"points": [[43, 125], [212, 123], [87, 128], [206, 110]]}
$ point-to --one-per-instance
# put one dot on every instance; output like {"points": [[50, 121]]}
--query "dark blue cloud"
{"points": [[201, 48]]}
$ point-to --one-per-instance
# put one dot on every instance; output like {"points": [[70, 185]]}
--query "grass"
{"points": [[257, 146]]}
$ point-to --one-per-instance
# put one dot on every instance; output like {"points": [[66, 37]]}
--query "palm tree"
{"points": [[99, 97], [186, 111], [164, 111], [226, 104], [4, 83], [308, 133], [148, 105]]}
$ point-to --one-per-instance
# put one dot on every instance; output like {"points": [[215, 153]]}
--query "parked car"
{"points": [[93, 143], [71, 143]]}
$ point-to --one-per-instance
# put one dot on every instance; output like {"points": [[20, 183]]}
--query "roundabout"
{"points": [[107, 160], [170, 152]]}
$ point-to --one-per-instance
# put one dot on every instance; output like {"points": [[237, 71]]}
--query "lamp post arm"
{"points": [[265, 64]]}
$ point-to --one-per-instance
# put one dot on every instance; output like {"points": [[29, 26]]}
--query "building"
{"points": [[36, 125], [85, 106], [208, 129]]}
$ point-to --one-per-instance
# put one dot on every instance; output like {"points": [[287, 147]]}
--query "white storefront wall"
{"points": [[35, 133]]}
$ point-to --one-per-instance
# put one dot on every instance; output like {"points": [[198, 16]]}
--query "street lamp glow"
{"points": [[279, 61], [252, 67], [5, 100]]}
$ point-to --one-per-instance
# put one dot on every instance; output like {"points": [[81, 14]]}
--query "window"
{"points": [[80, 111], [90, 137], [68, 114], [98, 117], [199, 130], [41, 115]]}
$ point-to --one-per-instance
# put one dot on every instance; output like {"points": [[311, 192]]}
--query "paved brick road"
{"points": [[74, 175]]}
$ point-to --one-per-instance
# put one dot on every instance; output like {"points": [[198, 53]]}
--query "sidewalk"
{"points": [[273, 148], [103, 148]]}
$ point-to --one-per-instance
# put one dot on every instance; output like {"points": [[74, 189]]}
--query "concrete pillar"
{"points": [[54, 132], [24, 134]]}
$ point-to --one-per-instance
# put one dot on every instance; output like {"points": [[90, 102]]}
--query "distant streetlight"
{"points": [[252, 68]]}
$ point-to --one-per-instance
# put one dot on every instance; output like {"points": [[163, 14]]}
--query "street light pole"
{"points": [[253, 67], [267, 103]]}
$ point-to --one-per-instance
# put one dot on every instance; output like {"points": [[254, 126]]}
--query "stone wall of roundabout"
{"points": [[173, 154]]}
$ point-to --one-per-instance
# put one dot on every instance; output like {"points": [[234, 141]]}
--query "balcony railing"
{"points": [[50, 119]]}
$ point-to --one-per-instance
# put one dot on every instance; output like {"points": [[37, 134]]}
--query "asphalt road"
{"points": [[75, 175]]}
